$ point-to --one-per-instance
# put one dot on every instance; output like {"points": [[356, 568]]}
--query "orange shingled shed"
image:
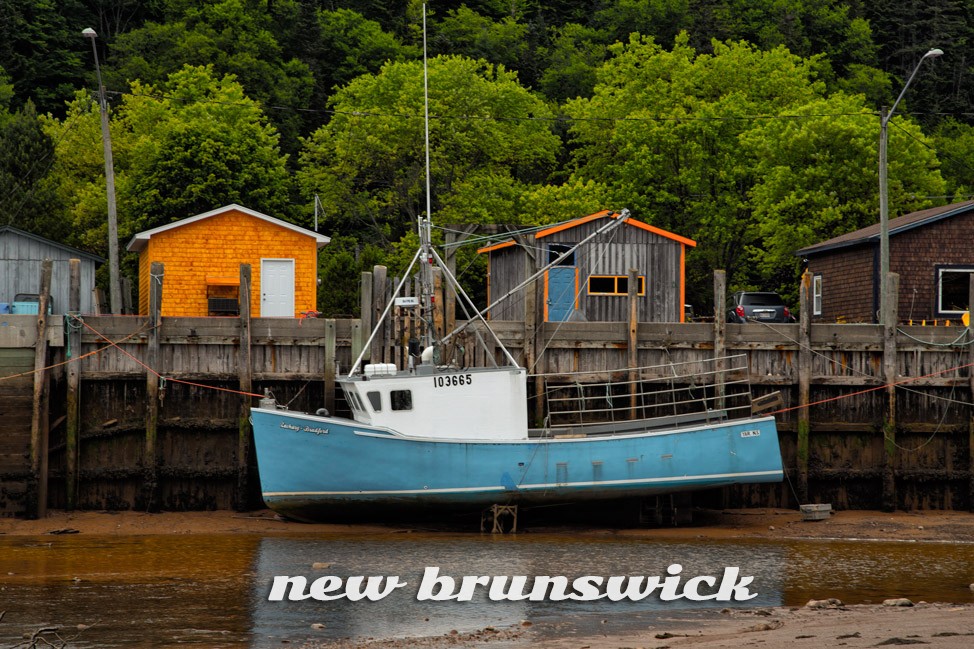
{"points": [[202, 256]]}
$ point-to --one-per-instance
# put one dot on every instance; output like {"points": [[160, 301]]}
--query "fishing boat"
{"points": [[436, 434], [440, 436]]}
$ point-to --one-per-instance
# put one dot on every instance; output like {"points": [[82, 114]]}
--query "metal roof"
{"points": [[55, 244]]}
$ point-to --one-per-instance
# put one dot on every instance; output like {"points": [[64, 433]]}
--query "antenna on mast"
{"points": [[426, 255], [317, 207]]}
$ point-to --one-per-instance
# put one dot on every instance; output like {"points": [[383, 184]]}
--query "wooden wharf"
{"points": [[117, 412]]}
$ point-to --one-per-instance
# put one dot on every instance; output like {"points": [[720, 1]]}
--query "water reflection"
{"points": [[400, 614], [211, 591]]}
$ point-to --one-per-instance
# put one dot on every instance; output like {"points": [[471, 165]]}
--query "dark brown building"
{"points": [[932, 251]]}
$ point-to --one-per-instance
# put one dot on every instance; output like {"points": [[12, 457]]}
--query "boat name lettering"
{"points": [[750, 433], [306, 429], [452, 380]]}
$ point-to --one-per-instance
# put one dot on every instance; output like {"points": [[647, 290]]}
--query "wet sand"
{"points": [[934, 625], [956, 527]]}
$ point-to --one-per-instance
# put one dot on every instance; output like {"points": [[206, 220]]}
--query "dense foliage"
{"points": [[750, 126]]}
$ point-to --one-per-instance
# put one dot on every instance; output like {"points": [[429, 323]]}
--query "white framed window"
{"points": [[952, 289], [816, 295]]}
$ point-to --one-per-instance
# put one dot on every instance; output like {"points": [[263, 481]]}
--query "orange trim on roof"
{"points": [[572, 224], [631, 221], [496, 246], [683, 284], [662, 233]]}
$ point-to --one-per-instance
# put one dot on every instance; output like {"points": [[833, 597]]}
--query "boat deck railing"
{"points": [[674, 394]]}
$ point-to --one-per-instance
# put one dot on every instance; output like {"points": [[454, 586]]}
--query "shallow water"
{"points": [[211, 591]]}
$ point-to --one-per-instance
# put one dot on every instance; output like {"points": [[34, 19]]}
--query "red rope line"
{"points": [[160, 376], [872, 389]]}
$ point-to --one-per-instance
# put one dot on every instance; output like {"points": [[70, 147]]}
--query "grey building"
{"points": [[592, 283], [21, 255]]}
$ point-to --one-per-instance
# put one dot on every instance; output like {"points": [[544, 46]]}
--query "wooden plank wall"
{"points": [[197, 445]]}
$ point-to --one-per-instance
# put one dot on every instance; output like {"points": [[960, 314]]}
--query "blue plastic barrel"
{"points": [[4, 308]]}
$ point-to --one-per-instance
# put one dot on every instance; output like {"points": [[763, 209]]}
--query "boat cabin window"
{"points": [[375, 399], [355, 402], [401, 399]]}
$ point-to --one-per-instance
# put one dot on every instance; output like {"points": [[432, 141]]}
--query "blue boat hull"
{"points": [[312, 466]]}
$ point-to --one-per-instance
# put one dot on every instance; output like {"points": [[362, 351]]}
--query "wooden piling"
{"points": [[37, 493], [331, 341], [529, 333], [889, 377], [804, 384], [245, 376], [365, 316], [377, 352], [720, 334], [633, 342], [970, 383], [439, 315], [150, 462], [72, 403]]}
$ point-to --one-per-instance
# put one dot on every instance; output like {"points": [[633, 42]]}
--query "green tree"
{"points": [[817, 178], [954, 143], [570, 62], [906, 31], [340, 267], [43, 51], [367, 163], [28, 199], [232, 37], [741, 150], [465, 32], [187, 146]]}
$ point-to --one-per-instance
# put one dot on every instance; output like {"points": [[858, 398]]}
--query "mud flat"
{"points": [[954, 527]]}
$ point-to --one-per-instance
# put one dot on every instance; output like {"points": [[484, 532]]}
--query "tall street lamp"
{"points": [[115, 291], [884, 117]]}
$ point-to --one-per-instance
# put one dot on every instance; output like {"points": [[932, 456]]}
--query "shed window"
{"points": [[222, 295], [556, 250], [401, 399], [375, 399], [613, 285], [816, 295], [952, 289]]}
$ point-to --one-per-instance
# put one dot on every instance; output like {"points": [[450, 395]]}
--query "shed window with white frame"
{"points": [[952, 289], [816, 295]]}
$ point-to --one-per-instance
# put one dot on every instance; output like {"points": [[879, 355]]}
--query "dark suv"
{"points": [[757, 306]]}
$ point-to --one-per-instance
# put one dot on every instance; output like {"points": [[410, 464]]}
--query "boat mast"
{"points": [[425, 242]]}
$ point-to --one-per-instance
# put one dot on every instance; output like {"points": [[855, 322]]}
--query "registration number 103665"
{"points": [[452, 380]]}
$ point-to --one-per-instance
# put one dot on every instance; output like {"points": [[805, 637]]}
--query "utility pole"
{"points": [[115, 291]]}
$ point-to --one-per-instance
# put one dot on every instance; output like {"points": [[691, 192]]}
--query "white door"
{"points": [[277, 288]]}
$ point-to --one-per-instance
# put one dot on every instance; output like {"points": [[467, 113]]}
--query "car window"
{"points": [[762, 299]]}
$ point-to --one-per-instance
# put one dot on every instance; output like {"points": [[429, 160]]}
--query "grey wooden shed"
{"points": [[592, 283], [21, 255]]}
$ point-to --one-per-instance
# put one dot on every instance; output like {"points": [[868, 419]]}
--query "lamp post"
{"points": [[114, 290], [884, 117]]}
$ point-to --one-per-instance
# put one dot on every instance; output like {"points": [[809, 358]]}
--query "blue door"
{"points": [[560, 293]]}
